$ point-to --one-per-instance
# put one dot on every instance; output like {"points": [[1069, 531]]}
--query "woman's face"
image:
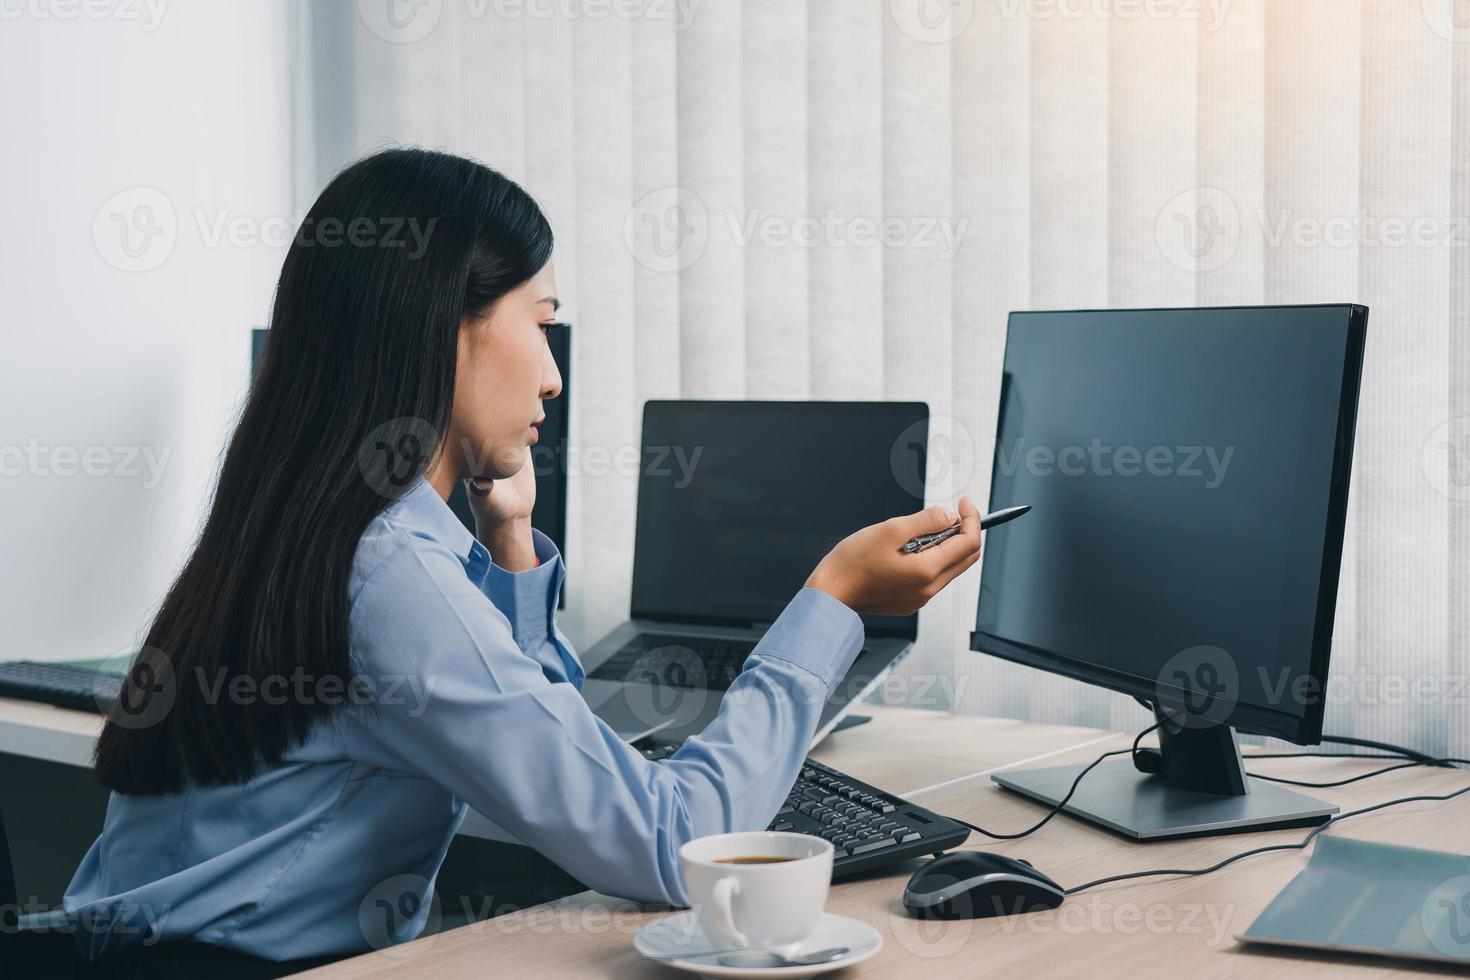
{"points": [[505, 371]]}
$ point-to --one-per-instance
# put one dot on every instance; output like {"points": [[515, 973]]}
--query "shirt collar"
{"points": [[422, 509]]}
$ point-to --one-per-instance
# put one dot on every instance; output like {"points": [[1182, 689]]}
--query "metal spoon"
{"points": [[760, 959]]}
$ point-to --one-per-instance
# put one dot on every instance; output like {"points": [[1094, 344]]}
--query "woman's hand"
{"points": [[867, 572], [502, 510]]}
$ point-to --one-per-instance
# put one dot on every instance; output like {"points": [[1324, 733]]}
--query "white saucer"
{"points": [[680, 931]]}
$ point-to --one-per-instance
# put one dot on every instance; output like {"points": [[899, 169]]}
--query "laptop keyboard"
{"points": [[701, 662], [698, 662]]}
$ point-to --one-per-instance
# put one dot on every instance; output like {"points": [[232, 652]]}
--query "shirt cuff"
{"points": [[528, 599], [817, 633]]}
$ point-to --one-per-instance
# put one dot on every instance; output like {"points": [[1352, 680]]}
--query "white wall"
{"points": [[190, 100]]}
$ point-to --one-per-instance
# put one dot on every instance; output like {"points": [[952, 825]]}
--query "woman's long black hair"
{"points": [[364, 334]]}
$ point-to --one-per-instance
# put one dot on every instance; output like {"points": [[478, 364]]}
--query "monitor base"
{"points": [[1117, 796]]}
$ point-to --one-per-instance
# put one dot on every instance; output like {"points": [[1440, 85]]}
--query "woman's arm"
{"points": [[531, 755]]}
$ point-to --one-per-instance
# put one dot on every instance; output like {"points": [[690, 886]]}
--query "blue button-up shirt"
{"points": [[463, 692]]}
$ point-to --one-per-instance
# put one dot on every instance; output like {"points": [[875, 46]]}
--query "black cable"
{"points": [[1318, 755], [1353, 779], [1057, 807], [1194, 872], [1368, 743], [1413, 759]]}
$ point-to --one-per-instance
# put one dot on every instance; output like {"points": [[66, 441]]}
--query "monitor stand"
{"points": [[1203, 789]]}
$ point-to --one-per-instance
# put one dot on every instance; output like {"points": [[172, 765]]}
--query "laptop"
{"points": [[737, 502]]}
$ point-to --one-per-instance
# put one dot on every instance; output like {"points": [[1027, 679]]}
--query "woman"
{"points": [[342, 667]]}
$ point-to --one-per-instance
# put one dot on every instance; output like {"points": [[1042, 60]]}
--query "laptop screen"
{"points": [[738, 501]]}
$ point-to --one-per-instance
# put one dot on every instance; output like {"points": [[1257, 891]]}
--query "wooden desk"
{"points": [[1159, 927]]}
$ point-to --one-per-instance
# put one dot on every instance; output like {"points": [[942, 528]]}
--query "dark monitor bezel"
{"points": [[904, 627], [1305, 729]]}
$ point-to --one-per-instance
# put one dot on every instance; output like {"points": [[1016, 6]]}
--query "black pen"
{"points": [[986, 523]]}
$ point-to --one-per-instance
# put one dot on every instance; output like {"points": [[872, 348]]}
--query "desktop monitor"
{"points": [[548, 456], [1188, 472]]}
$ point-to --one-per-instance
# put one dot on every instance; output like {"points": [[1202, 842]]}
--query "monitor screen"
{"points": [[738, 501], [1187, 471]]}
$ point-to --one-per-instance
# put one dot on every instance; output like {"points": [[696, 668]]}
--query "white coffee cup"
{"points": [[771, 906]]}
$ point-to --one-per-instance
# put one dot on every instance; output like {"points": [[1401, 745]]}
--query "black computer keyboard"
{"points": [[868, 828], [701, 662], [64, 685]]}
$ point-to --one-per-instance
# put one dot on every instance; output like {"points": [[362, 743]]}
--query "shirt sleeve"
{"points": [[494, 729], [528, 601]]}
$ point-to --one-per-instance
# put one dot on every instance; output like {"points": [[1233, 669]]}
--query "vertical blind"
{"points": [[842, 200]]}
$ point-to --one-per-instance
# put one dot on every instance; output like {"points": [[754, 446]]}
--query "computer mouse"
{"points": [[977, 885]]}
